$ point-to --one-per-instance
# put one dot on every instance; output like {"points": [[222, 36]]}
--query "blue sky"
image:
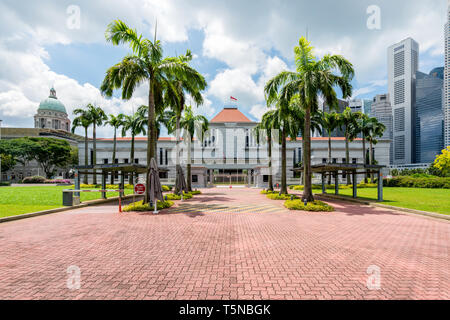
{"points": [[237, 46]]}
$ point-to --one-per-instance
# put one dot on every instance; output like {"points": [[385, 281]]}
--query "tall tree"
{"points": [[136, 125], [375, 131], [116, 122], [348, 120], [51, 153], [364, 126], [97, 117], [330, 122], [312, 77], [145, 65], [263, 131], [192, 126], [83, 120]]}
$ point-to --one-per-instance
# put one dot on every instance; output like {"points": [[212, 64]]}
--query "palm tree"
{"points": [[144, 65], [330, 122], [266, 126], [311, 78], [136, 125], [175, 94], [192, 126], [116, 122], [364, 127], [348, 120], [97, 116], [84, 121], [376, 130]]}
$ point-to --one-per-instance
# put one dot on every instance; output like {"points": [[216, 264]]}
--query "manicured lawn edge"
{"points": [[62, 209], [380, 205]]}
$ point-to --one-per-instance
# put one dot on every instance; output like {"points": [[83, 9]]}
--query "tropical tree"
{"points": [[98, 117], [116, 122], [330, 122], [136, 125], [83, 120], [364, 127], [175, 94], [312, 77], [376, 130], [348, 120], [145, 65], [192, 126], [442, 162]]}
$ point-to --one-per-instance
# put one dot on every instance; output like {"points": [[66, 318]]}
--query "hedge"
{"points": [[138, 206], [5, 184], [34, 179], [277, 196], [166, 188], [414, 182], [173, 196], [316, 206], [331, 186]]}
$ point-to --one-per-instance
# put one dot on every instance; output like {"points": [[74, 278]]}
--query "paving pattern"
{"points": [[226, 244]]}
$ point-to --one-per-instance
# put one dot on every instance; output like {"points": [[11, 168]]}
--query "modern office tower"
{"points": [[342, 104], [361, 105], [403, 61], [429, 115], [447, 82], [382, 111]]}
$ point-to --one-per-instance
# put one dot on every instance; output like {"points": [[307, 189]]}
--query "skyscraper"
{"points": [[382, 111], [429, 115], [403, 61], [361, 105], [447, 81]]}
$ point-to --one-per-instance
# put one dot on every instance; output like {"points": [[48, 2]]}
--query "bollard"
{"points": [[120, 204]]}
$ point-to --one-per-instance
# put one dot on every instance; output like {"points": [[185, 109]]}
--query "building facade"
{"points": [[403, 61], [360, 105], [447, 82], [429, 116], [230, 153], [382, 111]]}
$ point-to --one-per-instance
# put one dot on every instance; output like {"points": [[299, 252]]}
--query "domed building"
{"points": [[52, 114]]}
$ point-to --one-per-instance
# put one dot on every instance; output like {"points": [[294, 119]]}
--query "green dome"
{"points": [[52, 103]]}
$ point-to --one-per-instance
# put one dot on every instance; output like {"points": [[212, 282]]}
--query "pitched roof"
{"points": [[230, 114]]}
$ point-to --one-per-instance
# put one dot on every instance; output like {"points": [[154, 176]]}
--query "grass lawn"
{"points": [[19, 200], [432, 200]]}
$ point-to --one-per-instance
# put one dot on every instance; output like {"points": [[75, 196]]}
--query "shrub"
{"points": [[166, 188], [34, 179], [173, 196], [138, 206], [316, 206], [267, 192], [59, 181], [418, 182], [195, 192], [5, 184], [277, 196]]}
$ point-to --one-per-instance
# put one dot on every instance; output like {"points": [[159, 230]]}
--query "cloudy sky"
{"points": [[238, 45]]}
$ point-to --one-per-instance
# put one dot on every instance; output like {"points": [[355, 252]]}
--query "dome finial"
{"points": [[53, 93]]}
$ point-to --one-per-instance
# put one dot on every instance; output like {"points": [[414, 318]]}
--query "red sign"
{"points": [[139, 188]]}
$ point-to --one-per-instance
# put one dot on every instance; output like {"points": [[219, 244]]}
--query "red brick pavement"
{"points": [[226, 250]]}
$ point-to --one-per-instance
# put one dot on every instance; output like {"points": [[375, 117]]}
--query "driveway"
{"points": [[226, 244]]}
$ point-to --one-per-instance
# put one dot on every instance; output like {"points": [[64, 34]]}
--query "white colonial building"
{"points": [[52, 114], [230, 153]]}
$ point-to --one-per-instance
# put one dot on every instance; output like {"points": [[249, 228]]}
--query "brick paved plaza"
{"points": [[226, 244]]}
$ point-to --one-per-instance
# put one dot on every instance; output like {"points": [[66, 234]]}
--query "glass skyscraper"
{"points": [[429, 117]]}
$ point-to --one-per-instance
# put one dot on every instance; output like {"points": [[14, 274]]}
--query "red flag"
{"points": [[233, 98]]}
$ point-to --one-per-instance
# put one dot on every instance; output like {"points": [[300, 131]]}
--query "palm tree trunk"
{"points": [[329, 155], [364, 156], [114, 155], [307, 192], [150, 137], [94, 158], [283, 162], [188, 168], [269, 147], [86, 150], [370, 158], [131, 177], [347, 154], [177, 149]]}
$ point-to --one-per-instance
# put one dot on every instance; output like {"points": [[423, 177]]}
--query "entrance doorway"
{"points": [[230, 177]]}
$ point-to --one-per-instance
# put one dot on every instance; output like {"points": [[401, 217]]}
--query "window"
{"points": [[194, 178], [354, 160], [324, 160], [399, 63], [344, 160], [334, 160], [167, 158], [399, 119], [399, 147], [265, 178], [136, 160], [163, 175], [105, 161], [161, 156], [399, 91], [125, 160]]}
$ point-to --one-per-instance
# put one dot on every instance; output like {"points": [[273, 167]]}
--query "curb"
{"points": [[62, 209], [380, 205]]}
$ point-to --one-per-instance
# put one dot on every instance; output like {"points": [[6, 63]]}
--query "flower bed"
{"points": [[277, 196], [138, 206], [316, 206]]}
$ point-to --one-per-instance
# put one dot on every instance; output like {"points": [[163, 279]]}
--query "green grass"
{"points": [[20, 200], [432, 200]]}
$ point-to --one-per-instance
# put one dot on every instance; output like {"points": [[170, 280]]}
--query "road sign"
{"points": [[139, 188]]}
